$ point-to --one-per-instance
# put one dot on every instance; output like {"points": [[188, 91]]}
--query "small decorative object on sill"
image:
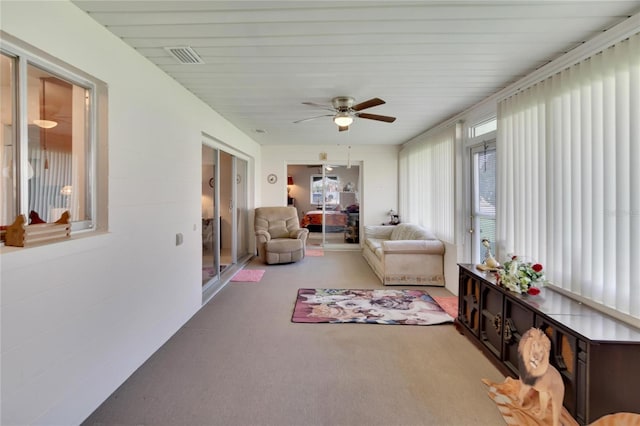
{"points": [[394, 218], [19, 234], [521, 276], [34, 218], [489, 261]]}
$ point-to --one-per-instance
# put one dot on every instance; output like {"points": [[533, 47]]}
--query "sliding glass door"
{"points": [[210, 213], [327, 198], [225, 216], [242, 209]]}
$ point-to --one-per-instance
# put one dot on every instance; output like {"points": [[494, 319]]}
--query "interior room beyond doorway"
{"points": [[327, 198]]}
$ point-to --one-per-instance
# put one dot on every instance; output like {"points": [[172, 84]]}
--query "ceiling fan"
{"points": [[344, 111]]}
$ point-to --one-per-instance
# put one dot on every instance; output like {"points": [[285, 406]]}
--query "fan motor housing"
{"points": [[342, 103]]}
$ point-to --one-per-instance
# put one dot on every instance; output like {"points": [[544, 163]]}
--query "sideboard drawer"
{"points": [[517, 320], [491, 319]]}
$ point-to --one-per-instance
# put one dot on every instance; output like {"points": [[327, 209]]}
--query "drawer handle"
{"points": [[508, 331], [497, 323]]}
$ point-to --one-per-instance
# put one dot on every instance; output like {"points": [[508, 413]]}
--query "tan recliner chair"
{"points": [[279, 238]]}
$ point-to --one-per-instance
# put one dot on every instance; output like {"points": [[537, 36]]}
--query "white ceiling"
{"points": [[429, 60]]}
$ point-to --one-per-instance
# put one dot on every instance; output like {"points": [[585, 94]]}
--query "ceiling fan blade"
{"points": [[343, 128], [384, 118], [313, 118], [368, 104], [313, 104]]}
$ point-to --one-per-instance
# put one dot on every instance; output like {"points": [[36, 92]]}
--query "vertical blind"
{"points": [[569, 177], [426, 174]]}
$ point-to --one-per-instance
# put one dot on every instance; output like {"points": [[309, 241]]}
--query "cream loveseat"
{"points": [[404, 254]]}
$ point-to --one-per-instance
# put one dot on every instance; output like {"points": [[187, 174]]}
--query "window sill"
{"points": [[17, 257]]}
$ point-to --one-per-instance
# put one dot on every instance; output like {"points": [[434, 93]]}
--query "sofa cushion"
{"points": [[378, 232], [379, 252], [413, 247], [408, 231], [373, 243]]}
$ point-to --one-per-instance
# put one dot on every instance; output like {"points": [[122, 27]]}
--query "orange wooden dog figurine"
{"points": [[536, 373]]}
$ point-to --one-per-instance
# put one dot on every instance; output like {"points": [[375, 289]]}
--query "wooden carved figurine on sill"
{"points": [[19, 234], [537, 373]]}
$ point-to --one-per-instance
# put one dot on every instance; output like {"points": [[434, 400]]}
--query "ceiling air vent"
{"points": [[184, 55]]}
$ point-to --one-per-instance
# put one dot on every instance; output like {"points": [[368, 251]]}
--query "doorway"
{"points": [[483, 200], [327, 197], [225, 217]]}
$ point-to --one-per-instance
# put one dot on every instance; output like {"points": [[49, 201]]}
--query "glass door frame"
{"points": [[216, 282], [360, 190], [241, 248], [215, 218], [343, 245], [324, 202], [477, 252]]}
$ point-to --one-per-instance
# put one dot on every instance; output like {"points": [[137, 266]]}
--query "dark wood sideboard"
{"points": [[597, 355]]}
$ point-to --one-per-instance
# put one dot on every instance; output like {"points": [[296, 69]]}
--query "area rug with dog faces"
{"points": [[400, 307]]}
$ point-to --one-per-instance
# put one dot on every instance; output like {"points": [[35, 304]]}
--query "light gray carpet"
{"points": [[241, 361]]}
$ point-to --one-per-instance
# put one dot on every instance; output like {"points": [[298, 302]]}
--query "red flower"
{"points": [[533, 291], [537, 267], [514, 257]]}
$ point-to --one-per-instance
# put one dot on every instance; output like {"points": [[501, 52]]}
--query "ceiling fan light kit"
{"points": [[346, 111], [45, 124], [343, 119]]}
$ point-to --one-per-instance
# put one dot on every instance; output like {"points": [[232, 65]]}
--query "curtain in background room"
{"points": [[569, 177], [50, 191], [426, 176]]}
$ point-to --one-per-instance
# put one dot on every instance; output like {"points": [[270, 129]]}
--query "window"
{"points": [[483, 187], [49, 138], [426, 177], [568, 181], [483, 128], [329, 186]]}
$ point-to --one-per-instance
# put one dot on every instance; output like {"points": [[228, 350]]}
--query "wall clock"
{"points": [[272, 178]]}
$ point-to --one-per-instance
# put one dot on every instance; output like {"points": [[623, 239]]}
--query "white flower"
{"points": [[519, 276]]}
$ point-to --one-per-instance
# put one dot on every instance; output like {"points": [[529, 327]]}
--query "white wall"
{"points": [[378, 189], [78, 317]]}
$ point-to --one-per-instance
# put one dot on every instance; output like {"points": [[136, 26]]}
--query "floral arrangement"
{"points": [[520, 276]]}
